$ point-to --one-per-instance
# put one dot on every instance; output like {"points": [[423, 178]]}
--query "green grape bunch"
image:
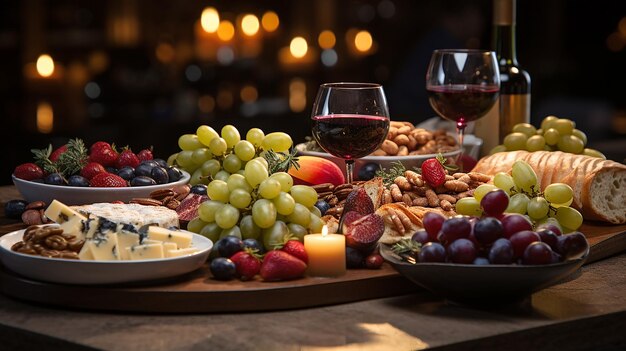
{"points": [[251, 195], [526, 198], [554, 134]]}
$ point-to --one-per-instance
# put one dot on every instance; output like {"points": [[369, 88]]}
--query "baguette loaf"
{"points": [[599, 185]]}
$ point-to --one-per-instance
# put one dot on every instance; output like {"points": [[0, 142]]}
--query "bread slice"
{"points": [[374, 189], [599, 185]]}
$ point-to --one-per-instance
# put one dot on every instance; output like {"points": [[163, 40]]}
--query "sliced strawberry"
{"points": [[91, 169], [247, 264], [433, 172], [28, 171], [127, 158], [108, 180], [279, 265], [296, 249], [54, 156]]}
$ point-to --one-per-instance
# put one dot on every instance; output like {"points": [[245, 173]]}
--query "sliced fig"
{"points": [[357, 201], [363, 233], [348, 218]]}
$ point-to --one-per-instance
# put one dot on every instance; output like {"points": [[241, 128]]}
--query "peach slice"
{"points": [[316, 170]]}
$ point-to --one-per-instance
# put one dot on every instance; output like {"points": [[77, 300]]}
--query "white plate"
{"points": [[65, 271], [72, 195], [384, 161]]}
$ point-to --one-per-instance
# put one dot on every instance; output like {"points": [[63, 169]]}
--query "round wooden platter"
{"points": [[197, 292]]}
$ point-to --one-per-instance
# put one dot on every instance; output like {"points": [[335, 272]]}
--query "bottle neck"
{"points": [[504, 19], [504, 44]]}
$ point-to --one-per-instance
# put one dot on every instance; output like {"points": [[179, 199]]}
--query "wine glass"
{"points": [[463, 85], [350, 120]]}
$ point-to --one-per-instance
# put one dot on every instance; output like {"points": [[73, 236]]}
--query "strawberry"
{"points": [[99, 145], [54, 156], [91, 169], [296, 248], [103, 153], [247, 264], [127, 158], [279, 265], [28, 171], [433, 172], [108, 180], [145, 155]]}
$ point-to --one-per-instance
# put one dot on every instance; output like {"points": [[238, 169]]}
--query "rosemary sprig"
{"points": [[407, 248], [389, 175], [281, 161], [42, 159], [74, 159]]}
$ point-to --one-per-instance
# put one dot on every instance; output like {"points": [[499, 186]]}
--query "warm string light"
{"points": [[45, 65]]}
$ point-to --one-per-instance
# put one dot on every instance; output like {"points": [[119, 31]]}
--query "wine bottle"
{"points": [[514, 81]]}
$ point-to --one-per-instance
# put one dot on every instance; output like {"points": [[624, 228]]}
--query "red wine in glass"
{"points": [[350, 136], [462, 103]]}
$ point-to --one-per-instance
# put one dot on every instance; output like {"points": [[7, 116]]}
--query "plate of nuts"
{"points": [[404, 143]]}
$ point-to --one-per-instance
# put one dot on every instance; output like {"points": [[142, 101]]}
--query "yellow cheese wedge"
{"points": [[61, 213], [181, 252], [182, 239], [144, 252]]}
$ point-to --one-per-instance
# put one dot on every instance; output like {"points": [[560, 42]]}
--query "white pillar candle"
{"points": [[327, 254]]}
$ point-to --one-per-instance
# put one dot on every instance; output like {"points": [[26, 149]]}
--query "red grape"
{"points": [[462, 251], [488, 230], [456, 228], [513, 223], [432, 224], [521, 240], [552, 227], [421, 236], [537, 253], [501, 252], [432, 252], [549, 237], [495, 202], [571, 245]]}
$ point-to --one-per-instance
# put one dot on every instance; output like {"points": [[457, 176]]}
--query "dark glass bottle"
{"points": [[514, 81]]}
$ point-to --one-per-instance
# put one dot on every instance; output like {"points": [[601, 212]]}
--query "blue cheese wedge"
{"points": [[135, 214], [181, 238]]}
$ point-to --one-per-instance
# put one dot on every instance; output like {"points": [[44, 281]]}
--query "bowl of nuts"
{"points": [[404, 143]]}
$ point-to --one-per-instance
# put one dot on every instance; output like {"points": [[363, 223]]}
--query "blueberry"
{"points": [[199, 189], [54, 179], [368, 171], [77, 180], [127, 173], [151, 163], [354, 258], [160, 162], [174, 174], [111, 169], [481, 261], [322, 205], [223, 268], [142, 181], [229, 245], [143, 169], [159, 174], [15, 208], [253, 244]]}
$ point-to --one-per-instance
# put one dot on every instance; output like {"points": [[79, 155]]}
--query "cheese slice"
{"points": [[60, 213], [144, 252], [85, 253], [74, 226], [104, 247], [126, 238], [167, 246], [182, 239]]}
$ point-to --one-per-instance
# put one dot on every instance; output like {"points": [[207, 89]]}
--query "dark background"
{"points": [[573, 50]]}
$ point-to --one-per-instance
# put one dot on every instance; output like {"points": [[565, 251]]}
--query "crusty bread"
{"points": [[599, 185], [374, 189]]}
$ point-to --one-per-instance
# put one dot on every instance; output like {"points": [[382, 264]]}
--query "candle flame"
{"points": [[324, 230]]}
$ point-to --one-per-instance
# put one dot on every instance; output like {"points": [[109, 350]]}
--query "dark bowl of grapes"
{"points": [[475, 261]]}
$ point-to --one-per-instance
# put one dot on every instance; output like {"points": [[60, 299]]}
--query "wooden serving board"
{"points": [[196, 292]]}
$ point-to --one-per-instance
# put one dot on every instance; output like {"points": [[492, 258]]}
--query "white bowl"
{"points": [[66, 271], [386, 162], [71, 195]]}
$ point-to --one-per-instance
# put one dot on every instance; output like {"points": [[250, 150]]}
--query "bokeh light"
{"points": [[45, 117], [363, 41], [210, 20], [270, 21], [326, 39], [298, 47], [250, 25], [226, 30], [45, 65]]}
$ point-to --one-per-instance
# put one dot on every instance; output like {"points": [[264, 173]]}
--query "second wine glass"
{"points": [[463, 85], [350, 120]]}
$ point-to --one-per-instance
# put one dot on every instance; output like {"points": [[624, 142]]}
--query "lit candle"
{"points": [[327, 254]]}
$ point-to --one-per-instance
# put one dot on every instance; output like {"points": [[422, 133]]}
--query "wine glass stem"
{"points": [[461, 131], [349, 171]]}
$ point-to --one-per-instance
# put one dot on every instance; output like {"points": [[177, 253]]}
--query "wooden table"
{"points": [[586, 313]]}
